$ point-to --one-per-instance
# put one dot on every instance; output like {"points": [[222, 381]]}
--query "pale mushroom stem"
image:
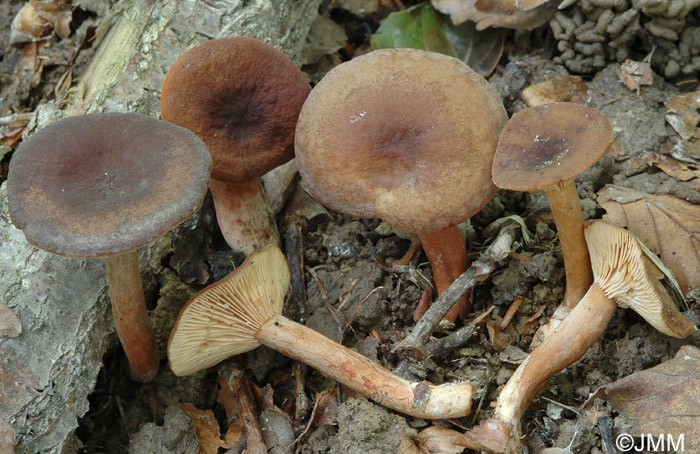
{"points": [[243, 215], [447, 253], [572, 338], [131, 316], [421, 400], [566, 210]]}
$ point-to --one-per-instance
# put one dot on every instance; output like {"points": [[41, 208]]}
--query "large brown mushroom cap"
{"points": [[223, 319], [401, 134], [242, 97], [549, 144], [626, 275], [103, 184]]}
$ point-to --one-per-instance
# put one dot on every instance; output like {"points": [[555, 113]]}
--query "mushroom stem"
{"points": [[243, 215], [447, 253], [572, 338], [131, 316], [566, 209], [421, 400]]}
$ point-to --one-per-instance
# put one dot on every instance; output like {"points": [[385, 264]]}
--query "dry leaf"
{"points": [[490, 435], [10, 325], [207, 427], [37, 19], [683, 117], [527, 14], [441, 440], [557, 89], [672, 167], [408, 446], [234, 433], [669, 226], [664, 399], [635, 73]]}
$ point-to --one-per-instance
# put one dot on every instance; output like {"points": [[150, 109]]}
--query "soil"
{"points": [[349, 270]]}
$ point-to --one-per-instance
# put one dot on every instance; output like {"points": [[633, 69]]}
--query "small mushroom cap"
{"points": [[625, 273], [102, 184], [549, 144], [223, 319], [401, 134], [242, 97]]}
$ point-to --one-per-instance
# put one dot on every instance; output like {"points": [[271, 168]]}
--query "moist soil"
{"points": [[355, 294]]}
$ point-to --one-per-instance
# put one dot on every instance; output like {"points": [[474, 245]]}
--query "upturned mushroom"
{"points": [[407, 136], [242, 97], [243, 311], [103, 185], [546, 147], [625, 275]]}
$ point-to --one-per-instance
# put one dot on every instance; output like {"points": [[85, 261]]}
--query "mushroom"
{"points": [[242, 97], [243, 311], [103, 185], [625, 275], [546, 147], [407, 136]]}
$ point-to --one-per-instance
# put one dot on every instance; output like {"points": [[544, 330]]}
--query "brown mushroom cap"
{"points": [[401, 134], [102, 184], [627, 275], [548, 144], [242, 97]]}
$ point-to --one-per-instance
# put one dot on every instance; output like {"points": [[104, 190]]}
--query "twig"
{"points": [[294, 244], [413, 346], [450, 343]]}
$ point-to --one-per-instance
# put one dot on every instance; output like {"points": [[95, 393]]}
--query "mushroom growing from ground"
{"points": [[242, 97], [546, 147], [625, 275], [243, 311], [103, 185], [407, 136]]}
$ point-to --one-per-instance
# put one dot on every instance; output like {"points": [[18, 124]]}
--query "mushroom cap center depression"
{"points": [[404, 135]]}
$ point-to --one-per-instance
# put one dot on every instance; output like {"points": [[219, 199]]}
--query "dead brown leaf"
{"points": [[672, 167], [683, 116], [664, 399], [490, 435], [497, 13], [557, 89], [635, 73], [441, 440], [207, 428], [37, 19], [669, 226]]}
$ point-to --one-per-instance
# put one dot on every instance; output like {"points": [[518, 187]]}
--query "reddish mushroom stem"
{"points": [[363, 375], [566, 210], [447, 253], [243, 215], [584, 325], [130, 315]]}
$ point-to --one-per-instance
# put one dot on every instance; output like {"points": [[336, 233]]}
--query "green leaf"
{"points": [[422, 27]]}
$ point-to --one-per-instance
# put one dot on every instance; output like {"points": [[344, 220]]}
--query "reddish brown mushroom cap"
{"points": [[548, 144], [401, 134], [242, 97], [103, 184]]}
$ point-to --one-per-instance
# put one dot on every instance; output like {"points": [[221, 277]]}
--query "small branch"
{"points": [[413, 347]]}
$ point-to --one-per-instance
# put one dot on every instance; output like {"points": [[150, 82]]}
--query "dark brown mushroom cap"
{"points": [[549, 144], [103, 184], [242, 97], [401, 134]]}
